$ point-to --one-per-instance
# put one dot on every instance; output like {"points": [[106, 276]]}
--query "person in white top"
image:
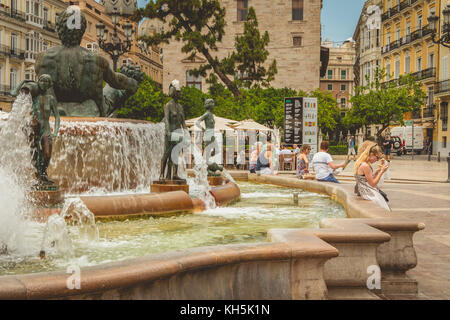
{"points": [[323, 164]]}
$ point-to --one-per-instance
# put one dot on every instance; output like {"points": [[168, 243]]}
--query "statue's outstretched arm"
{"points": [[16, 91], [117, 80]]}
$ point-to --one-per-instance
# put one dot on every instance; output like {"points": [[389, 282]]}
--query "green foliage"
{"points": [[146, 104], [340, 150], [328, 111], [198, 24], [251, 54], [192, 100], [383, 104]]}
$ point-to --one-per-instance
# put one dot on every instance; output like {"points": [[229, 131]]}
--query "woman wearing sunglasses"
{"points": [[366, 179]]}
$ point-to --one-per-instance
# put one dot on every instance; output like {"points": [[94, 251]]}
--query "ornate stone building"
{"points": [[339, 79], [294, 29], [147, 58], [407, 48], [27, 27], [367, 38], [442, 94]]}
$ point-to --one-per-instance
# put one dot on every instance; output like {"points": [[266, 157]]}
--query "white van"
{"points": [[405, 133]]}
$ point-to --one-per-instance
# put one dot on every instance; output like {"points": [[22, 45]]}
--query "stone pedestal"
{"points": [[169, 185], [215, 180], [47, 197]]}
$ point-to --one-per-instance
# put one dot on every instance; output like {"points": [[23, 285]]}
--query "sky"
{"points": [[339, 18]]}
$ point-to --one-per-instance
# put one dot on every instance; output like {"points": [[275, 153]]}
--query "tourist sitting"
{"points": [[323, 164], [302, 161], [296, 149], [265, 163], [254, 156], [367, 180]]}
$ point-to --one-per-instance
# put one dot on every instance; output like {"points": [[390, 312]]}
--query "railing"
{"points": [[442, 86], [397, 9], [390, 13], [419, 33], [428, 112], [16, 14], [12, 52], [424, 74], [5, 90], [35, 19]]}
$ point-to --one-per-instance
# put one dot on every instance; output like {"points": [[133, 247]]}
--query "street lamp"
{"points": [[433, 22], [116, 47]]}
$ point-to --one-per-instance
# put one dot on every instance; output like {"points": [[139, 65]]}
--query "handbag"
{"points": [[384, 195]]}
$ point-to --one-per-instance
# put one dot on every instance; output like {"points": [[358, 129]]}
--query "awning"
{"points": [[250, 125], [221, 124]]}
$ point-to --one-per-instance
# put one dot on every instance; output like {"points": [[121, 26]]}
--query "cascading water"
{"points": [[200, 183], [106, 156], [16, 177]]}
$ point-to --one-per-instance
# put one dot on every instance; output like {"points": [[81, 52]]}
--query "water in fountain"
{"points": [[16, 177], [104, 157], [75, 222], [200, 182]]}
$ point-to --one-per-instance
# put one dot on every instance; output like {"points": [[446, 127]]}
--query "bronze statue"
{"points": [[78, 73], [210, 140], [40, 137], [175, 127], [114, 99]]}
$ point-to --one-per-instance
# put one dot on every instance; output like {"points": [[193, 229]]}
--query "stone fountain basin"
{"points": [[330, 262], [153, 204]]}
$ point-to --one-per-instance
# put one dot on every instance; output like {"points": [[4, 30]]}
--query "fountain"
{"points": [[187, 238]]}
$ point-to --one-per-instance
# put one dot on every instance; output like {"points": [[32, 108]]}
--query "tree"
{"points": [[199, 24], [146, 104], [385, 103], [251, 55]]}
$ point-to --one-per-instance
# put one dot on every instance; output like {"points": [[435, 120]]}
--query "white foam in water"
{"points": [[16, 177], [107, 157], [200, 183]]}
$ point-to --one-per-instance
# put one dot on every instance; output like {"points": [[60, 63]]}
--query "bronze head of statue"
{"points": [[71, 26]]}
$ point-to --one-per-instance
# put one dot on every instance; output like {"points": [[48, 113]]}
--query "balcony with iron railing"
{"points": [[418, 76], [424, 74], [397, 9], [428, 112], [12, 52], [16, 14], [442, 87], [418, 34]]}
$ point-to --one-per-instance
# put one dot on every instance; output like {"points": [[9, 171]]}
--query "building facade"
{"points": [[442, 93], [407, 48], [339, 77], [27, 27], [367, 37], [148, 59], [294, 30]]}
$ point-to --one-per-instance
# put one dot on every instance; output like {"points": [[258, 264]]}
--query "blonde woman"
{"points": [[302, 161], [366, 179]]}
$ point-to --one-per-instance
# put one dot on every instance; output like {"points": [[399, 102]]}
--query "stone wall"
{"points": [[298, 67]]}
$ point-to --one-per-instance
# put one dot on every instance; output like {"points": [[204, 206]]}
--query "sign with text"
{"points": [[310, 130], [293, 119], [300, 122]]}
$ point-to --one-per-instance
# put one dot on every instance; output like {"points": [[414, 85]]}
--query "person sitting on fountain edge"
{"points": [[323, 164]]}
